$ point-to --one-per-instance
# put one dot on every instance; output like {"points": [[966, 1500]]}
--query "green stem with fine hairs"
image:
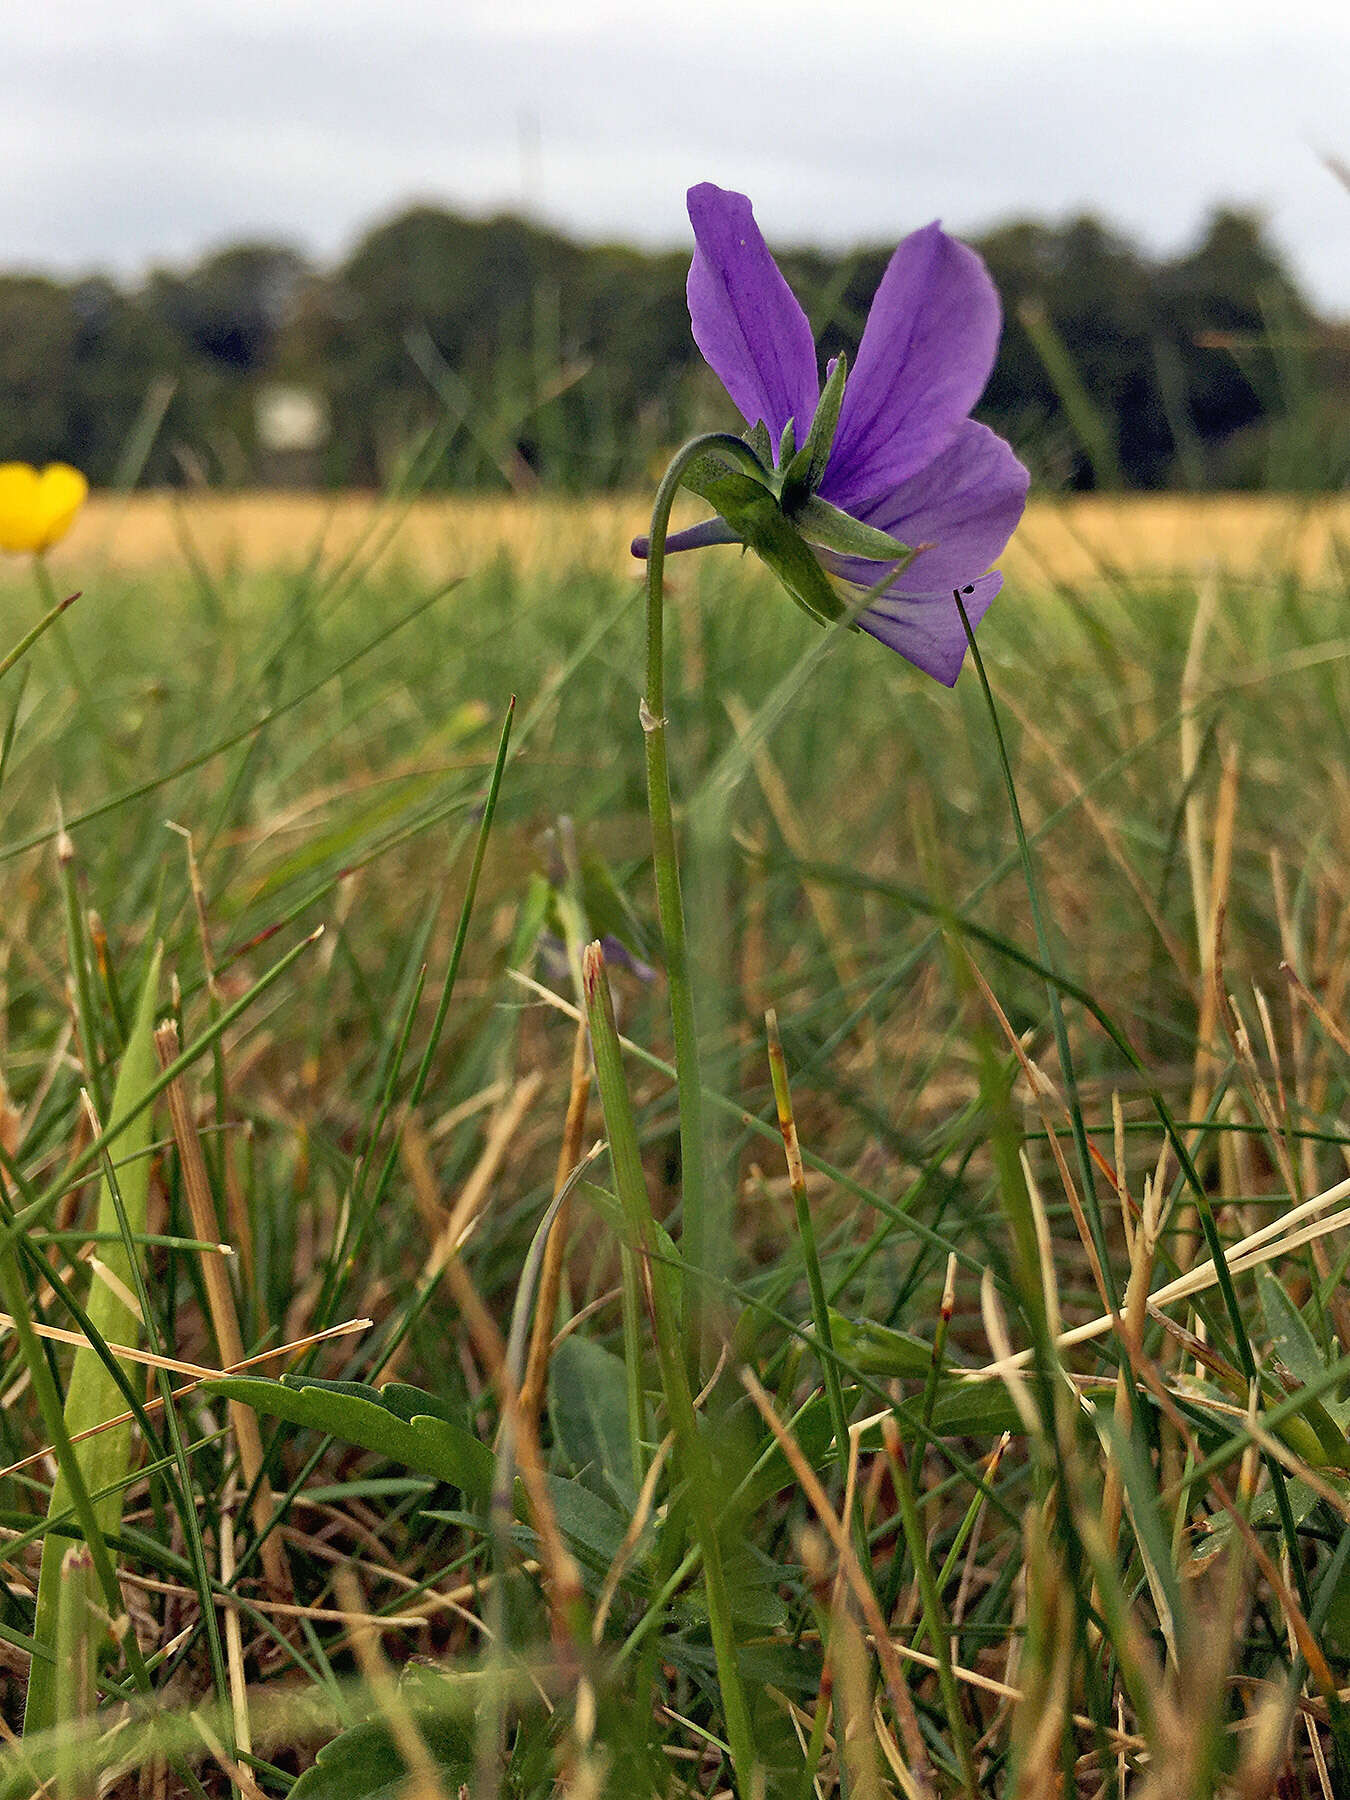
{"points": [[670, 902], [695, 1462]]}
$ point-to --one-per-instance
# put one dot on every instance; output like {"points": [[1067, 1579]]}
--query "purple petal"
{"points": [[693, 537], [746, 319], [964, 506], [926, 629], [922, 364]]}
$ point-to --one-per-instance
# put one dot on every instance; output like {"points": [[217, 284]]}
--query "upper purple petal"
{"points": [[925, 356], [746, 319], [962, 508], [926, 629]]}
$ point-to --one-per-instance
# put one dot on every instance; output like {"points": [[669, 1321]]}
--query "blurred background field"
{"points": [[1064, 540]]}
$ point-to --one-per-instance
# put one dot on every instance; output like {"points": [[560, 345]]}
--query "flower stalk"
{"points": [[694, 1460], [669, 898]]}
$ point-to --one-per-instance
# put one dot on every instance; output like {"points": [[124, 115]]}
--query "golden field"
{"points": [[1060, 541]]}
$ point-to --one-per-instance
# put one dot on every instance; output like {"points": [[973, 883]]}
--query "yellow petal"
{"points": [[61, 492], [37, 510], [18, 506]]}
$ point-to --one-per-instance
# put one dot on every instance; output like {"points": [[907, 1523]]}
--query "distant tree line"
{"points": [[496, 353]]}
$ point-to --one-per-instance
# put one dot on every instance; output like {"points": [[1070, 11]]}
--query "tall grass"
{"points": [[990, 1519]]}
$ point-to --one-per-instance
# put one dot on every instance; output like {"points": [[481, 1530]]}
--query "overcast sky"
{"points": [[155, 129]]}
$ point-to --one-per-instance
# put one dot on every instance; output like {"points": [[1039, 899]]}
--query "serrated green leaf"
{"points": [[374, 1419], [364, 1763], [411, 1427]]}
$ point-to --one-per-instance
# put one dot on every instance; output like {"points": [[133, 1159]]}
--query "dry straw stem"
{"points": [[561, 1575], [423, 1782], [234, 1635], [220, 1302], [1273, 1239], [1211, 998], [292, 1609], [1105, 827], [920, 1772], [1207, 601], [347, 1329], [1040, 1087], [473, 1195], [550, 1278]]}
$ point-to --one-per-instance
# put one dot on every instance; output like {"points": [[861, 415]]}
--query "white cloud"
{"points": [[161, 126]]}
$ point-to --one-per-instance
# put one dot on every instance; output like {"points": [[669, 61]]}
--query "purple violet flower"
{"points": [[892, 446]]}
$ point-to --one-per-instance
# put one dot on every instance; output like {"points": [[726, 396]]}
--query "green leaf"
{"points": [[1151, 1533], [588, 1522], [1264, 1514], [752, 1587], [878, 1349], [399, 1422], [1297, 1349], [588, 1407], [364, 1763], [1336, 1621], [974, 1409], [665, 1258], [1292, 1341], [413, 1428]]}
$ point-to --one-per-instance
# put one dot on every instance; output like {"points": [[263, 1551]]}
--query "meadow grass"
{"points": [[1116, 1564]]}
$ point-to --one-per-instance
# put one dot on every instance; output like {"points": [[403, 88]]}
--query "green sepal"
{"points": [[753, 513], [787, 445], [760, 442], [803, 474], [825, 525]]}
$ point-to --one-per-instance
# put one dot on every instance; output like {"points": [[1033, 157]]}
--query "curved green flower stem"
{"points": [[670, 903], [695, 1463]]}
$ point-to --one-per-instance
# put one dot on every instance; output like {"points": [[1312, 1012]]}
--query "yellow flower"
{"points": [[38, 509]]}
